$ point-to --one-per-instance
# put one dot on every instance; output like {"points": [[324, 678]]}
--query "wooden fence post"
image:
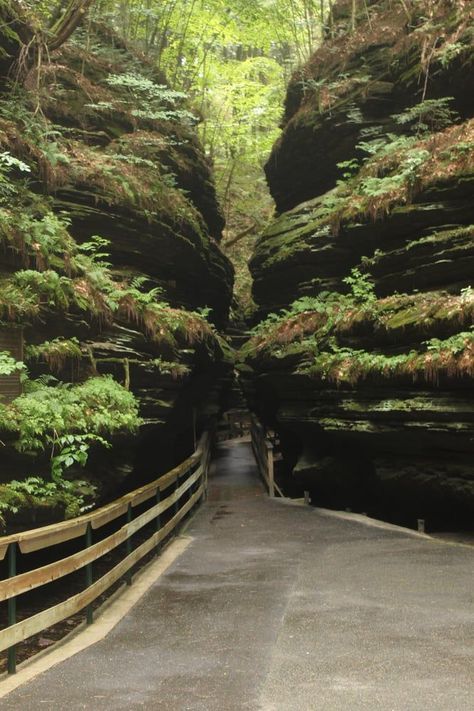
{"points": [[89, 576], [176, 487], [12, 549], [158, 518], [128, 544], [271, 469]]}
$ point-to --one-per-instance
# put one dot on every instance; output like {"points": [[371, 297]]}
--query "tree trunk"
{"points": [[354, 15], [25, 39], [65, 26]]}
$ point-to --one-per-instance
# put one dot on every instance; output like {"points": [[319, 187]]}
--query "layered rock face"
{"points": [[367, 373], [110, 262]]}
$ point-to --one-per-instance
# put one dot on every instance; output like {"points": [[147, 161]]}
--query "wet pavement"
{"points": [[278, 607]]}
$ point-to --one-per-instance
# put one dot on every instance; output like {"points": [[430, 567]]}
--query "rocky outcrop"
{"points": [[110, 262], [354, 86], [367, 372], [427, 244]]}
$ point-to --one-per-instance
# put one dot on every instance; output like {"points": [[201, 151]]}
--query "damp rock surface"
{"points": [[368, 266]]}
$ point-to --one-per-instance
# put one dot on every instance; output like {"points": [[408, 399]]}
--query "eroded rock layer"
{"points": [[366, 370], [110, 266]]}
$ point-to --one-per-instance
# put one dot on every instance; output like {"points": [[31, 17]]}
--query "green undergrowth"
{"points": [[360, 312], [97, 84], [34, 499], [8, 364], [452, 358], [46, 413], [397, 170], [315, 332], [82, 282], [352, 61], [56, 425], [118, 175], [122, 179], [103, 123]]}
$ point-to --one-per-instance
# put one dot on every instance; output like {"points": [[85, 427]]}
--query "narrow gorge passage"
{"points": [[257, 209], [310, 184], [278, 607]]}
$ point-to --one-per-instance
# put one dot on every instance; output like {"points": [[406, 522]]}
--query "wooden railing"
{"points": [[234, 424], [189, 485], [263, 451]]}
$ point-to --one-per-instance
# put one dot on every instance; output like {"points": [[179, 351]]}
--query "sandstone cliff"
{"points": [[110, 266], [367, 372]]}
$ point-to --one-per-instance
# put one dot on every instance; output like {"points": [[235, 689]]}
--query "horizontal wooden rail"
{"points": [[39, 538], [37, 623], [48, 573], [263, 452], [194, 471]]}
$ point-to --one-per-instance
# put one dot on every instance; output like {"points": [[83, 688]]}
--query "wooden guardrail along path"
{"points": [[190, 483], [263, 452]]}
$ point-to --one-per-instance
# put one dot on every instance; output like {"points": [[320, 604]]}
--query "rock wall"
{"points": [[109, 226], [367, 372]]}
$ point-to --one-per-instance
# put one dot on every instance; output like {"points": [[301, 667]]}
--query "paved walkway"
{"points": [[276, 607]]}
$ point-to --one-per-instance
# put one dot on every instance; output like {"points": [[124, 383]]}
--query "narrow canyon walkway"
{"points": [[276, 606]]}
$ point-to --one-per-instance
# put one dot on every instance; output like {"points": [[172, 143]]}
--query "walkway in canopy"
{"points": [[275, 606]]}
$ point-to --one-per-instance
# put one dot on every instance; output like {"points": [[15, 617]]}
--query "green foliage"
{"points": [[64, 421], [141, 298], [147, 100], [42, 238], [8, 162], [133, 160], [455, 344], [88, 286], [362, 287], [176, 370], [405, 174], [349, 168], [307, 303], [318, 329], [16, 304], [45, 414], [322, 304], [52, 289], [460, 150], [53, 153], [73, 449], [429, 115], [94, 248], [449, 52], [138, 85], [467, 294], [34, 494], [8, 187], [348, 365], [8, 365]]}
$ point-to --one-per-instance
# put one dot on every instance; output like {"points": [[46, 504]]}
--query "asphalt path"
{"points": [[280, 607]]}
